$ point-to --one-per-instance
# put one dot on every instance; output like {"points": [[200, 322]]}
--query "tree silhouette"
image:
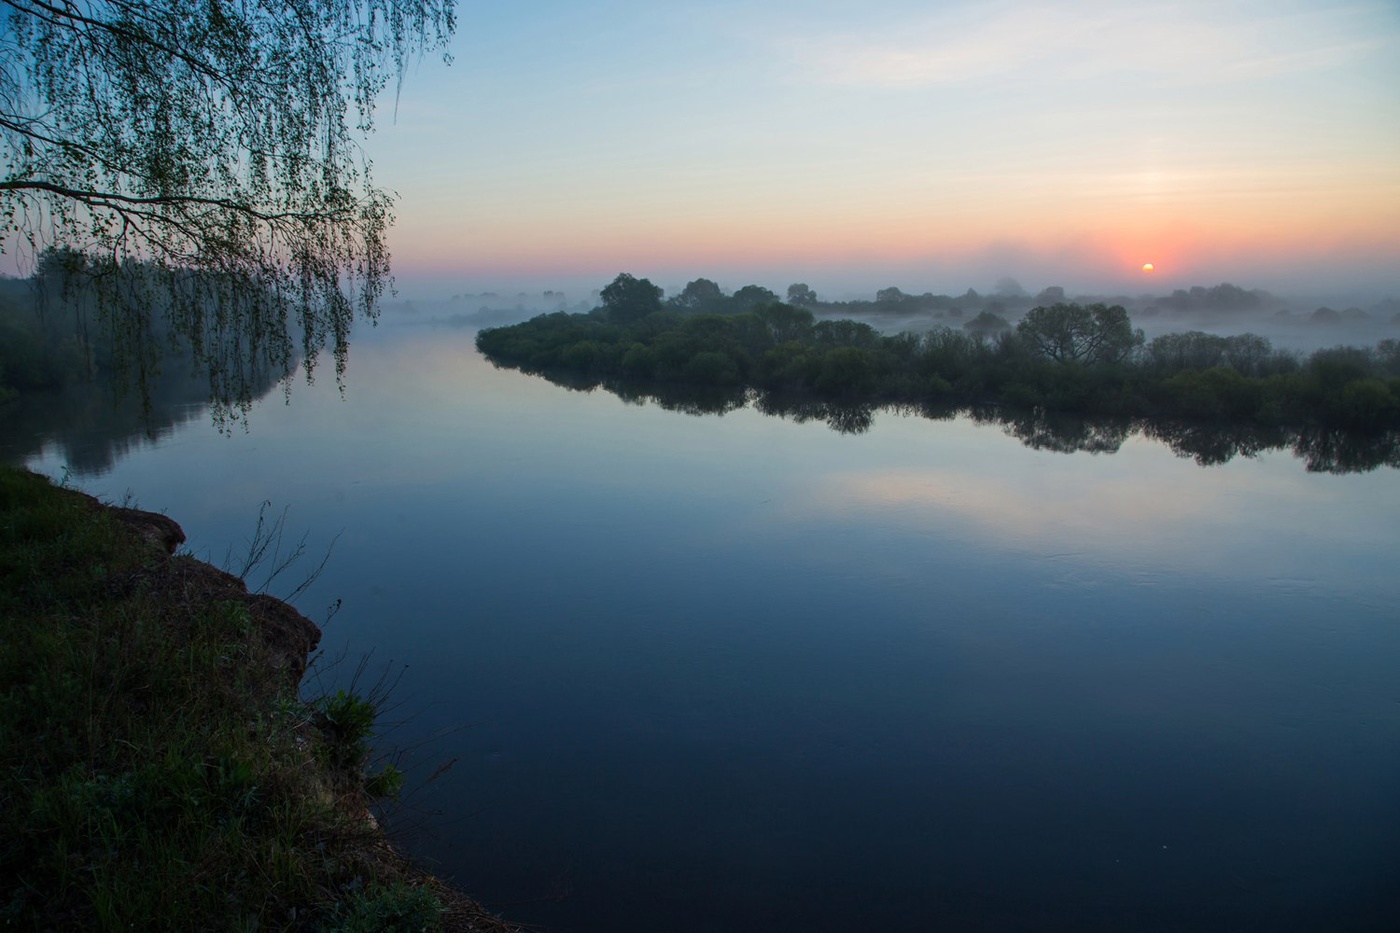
{"points": [[801, 294]]}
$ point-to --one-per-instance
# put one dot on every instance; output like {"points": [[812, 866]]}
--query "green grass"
{"points": [[156, 772]]}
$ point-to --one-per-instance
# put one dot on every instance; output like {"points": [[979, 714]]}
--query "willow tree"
{"points": [[196, 168]]}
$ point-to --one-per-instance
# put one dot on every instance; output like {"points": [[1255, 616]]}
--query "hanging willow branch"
{"points": [[197, 161]]}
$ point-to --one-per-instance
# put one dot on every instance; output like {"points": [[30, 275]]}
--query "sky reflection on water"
{"points": [[741, 673]]}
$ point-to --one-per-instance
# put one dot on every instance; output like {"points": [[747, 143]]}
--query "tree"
{"points": [[1073, 333], [785, 322], [1008, 287], [986, 324], [751, 297], [628, 299], [699, 297], [801, 294], [203, 160]]}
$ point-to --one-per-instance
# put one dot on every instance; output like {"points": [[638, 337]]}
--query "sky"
{"points": [[933, 146]]}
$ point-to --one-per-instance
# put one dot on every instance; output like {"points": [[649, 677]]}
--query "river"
{"points": [[742, 673]]}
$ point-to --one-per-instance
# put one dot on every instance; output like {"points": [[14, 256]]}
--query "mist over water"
{"points": [[1297, 320], [745, 672]]}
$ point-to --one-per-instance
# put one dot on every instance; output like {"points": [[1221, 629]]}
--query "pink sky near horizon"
{"points": [[1291, 251], [934, 146]]}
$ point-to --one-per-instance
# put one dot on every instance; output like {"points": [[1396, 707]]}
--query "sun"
{"points": [[1148, 267]]}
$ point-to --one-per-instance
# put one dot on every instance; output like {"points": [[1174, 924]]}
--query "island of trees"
{"points": [[707, 351], [1061, 357]]}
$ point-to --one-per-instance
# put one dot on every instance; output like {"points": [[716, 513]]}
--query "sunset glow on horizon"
{"points": [[934, 147]]}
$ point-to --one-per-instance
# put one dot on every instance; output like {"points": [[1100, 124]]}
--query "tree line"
{"points": [[67, 353], [1062, 357]]}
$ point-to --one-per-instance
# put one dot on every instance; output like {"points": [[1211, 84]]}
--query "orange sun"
{"points": [[1148, 267]]}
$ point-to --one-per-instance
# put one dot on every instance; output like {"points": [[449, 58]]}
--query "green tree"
{"points": [[751, 297], [846, 371], [699, 297], [1187, 350], [1073, 333], [845, 333], [204, 159], [628, 299], [785, 322]]}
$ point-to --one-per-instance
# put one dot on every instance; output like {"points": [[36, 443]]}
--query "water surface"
{"points": [[738, 673]]}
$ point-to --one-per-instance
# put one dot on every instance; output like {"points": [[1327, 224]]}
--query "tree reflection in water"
{"points": [[1323, 450]]}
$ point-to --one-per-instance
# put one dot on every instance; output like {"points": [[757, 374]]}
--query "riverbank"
{"points": [[158, 769]]}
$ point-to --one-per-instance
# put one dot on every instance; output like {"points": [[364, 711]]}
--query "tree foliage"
{"points": [[701, 296], [801, 294], [1072, 361], [201, 161], [751, 297], [987, 324], [628, 299], [1074, 333]]}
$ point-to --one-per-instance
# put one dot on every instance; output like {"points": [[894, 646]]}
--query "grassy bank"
{"points": [[157, 768]]}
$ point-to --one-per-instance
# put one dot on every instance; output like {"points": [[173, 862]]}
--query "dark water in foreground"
{"points": [[743, 674]]}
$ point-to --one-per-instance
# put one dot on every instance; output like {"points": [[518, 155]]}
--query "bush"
{"points": [[712, 368], [1213, 394], [1365, 404], [846, 371]]}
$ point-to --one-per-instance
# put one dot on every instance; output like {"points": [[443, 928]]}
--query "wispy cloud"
{"points": [[1178, 42]]}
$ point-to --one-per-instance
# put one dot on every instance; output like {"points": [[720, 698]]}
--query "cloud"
{"points": [[1182, 42]]}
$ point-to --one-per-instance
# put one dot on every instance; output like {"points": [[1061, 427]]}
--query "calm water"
{"points": [[743, 674]]}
